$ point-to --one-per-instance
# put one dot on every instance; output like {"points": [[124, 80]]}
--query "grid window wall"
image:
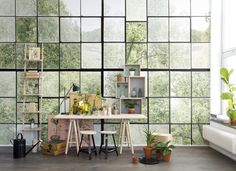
{"points": [[89, 42]]}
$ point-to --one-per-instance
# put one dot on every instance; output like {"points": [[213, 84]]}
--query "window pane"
{"points": [[137, 132], [8, 84], [110, 83], [136, 10], [7, 27], [90, 82], [48, 7], [200, 7], [158, 55], [67, 79], [48, 29], [50, 106], [180, 55], [7, 55], [201, 110], [7, 7], [201, 84], [197, 135], [70, 7], [157, 7], [51, 56], [50, 84], [114, 7], [114, 55], [200, 29], [91, 55], [163, 128], [70, 56], [158, 84], [159, 110], [180, 84], [179, 7], [26, 30], [91, 29], [91, 7], [114, 29], [7, 110], [181, 134], [200, 55], [136, 54], [70, 29], [180, 110], [7, 132], [136, 32], [180, 29], [26, 8], [158, 29]]}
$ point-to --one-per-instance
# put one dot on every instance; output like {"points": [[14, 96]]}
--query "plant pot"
{"points": [[159, 155], [135, 159], [148, 152], [131, 73], [233, 122], [131, 110], [167, 157]]}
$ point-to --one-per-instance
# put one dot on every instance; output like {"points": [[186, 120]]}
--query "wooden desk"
{"points": [[124, 130]]}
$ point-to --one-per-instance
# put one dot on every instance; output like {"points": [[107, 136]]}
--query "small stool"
{"points": [[90, 135], [106, 150]]}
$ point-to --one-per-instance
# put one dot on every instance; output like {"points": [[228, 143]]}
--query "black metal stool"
{"points": [[107, 150], [90, 150]]}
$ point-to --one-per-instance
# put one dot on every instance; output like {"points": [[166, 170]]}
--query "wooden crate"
{"points": [[54, 148]]}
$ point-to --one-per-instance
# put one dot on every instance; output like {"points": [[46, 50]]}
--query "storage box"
{"points": [[54, 147]]}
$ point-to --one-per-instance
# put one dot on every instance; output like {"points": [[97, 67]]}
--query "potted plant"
{"points": [[132, 71], [150, 139], [229, 95], [130, 104], [32, 121], [165, 149], [120, 77]]}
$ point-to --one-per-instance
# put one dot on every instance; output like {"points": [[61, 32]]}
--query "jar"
{"points": [[133, 93]]}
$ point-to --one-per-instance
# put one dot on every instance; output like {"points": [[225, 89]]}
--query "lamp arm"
{"points": [[65, 96]]}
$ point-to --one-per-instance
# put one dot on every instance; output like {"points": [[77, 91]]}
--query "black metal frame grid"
{"points": [[102, 70]]}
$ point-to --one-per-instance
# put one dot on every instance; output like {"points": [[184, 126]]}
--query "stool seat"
{"points": [[108, 132], [88, 132]]}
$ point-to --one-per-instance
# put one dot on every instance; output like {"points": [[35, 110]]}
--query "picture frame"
{"points": [[34, 53]]}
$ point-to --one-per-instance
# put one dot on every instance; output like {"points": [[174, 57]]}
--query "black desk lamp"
{"points": [[74, 88]]}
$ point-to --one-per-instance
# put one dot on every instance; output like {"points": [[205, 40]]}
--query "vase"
{"points": [[133, 93]]}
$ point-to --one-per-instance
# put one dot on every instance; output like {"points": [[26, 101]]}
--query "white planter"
{"points": [[131, 73], [32, 125]]}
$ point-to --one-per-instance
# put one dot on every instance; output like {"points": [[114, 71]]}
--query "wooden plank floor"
{"points": [[184, 159]]}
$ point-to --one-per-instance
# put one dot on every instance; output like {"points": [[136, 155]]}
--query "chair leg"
{"points": [[94, 146], [106, 148], [100, 149], [89, 148], [115, 144], [80, 144]]}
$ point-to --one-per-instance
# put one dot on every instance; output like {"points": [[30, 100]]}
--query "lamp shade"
{"points": [[75, 87]]}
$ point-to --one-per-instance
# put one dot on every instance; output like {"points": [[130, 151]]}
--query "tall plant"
{"points": [[229, 95]]}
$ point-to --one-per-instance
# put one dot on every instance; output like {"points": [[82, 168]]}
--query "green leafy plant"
{"points": [[130, 104], [32, 120], [150, 138], [229, 95], [164, 148], [132, 69]]}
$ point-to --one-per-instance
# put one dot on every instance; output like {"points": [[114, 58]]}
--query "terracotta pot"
{"points": [[233, 122], [147, 152], [135, 159], [159, 155], [167, 157], [131, 110]]}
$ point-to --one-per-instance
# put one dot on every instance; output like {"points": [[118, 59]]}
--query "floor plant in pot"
{"points": [[229, 94], [165, 148], [150, 140]]}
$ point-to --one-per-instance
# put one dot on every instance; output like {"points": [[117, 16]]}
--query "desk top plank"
{"points": [[121, 116]]}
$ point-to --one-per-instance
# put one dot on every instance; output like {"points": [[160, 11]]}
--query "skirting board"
{"points": [[221, 150]]}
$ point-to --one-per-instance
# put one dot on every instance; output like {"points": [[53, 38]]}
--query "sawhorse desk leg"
{"points": [[125, 133]]}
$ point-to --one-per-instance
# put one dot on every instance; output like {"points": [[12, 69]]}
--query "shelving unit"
{"points": [[132, 90], [32, 89]]}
